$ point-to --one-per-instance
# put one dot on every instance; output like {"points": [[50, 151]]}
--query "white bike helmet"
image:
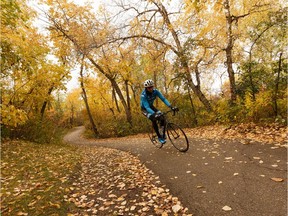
{"points": [[148, 83]]}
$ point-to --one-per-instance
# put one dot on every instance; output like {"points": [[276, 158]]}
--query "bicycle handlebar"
{"points": [[172, 110]]}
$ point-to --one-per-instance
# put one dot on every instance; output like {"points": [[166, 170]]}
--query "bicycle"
{"points": [[173, 131]]}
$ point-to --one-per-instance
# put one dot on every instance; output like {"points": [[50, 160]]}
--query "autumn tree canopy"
{"points": [[188, 48]]}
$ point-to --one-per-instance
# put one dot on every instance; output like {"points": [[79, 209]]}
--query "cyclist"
{"points": [[148, 96]]}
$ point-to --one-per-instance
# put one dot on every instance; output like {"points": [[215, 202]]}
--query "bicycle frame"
{"points": [[174, 133]]}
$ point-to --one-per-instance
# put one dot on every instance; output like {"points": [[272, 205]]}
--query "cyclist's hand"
{"points": [[158, 114]]}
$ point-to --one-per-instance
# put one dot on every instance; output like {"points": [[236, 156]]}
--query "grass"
{"points": [[36, 177]]}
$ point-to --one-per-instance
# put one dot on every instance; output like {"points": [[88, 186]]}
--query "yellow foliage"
{"points": [[11, 116]]}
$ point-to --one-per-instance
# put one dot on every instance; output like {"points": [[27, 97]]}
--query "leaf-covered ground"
{"points": [[65, 180], [35, 177], [68, 180], [247, 133]]}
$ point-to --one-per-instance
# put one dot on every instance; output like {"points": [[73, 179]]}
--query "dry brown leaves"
{"points": [[34, 177], [246, 133], [64, 180], [113, 182]]}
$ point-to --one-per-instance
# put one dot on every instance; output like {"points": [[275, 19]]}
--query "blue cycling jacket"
{"points": [[147, 100]]}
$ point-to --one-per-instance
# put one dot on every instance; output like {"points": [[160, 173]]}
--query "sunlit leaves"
{"points": [[12, 116], [28, 76], [34, 177]]}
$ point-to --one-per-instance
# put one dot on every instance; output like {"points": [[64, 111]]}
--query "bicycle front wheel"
{"points": [[177, 137]]}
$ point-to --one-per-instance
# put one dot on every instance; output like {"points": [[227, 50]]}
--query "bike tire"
{"points": [[154, 139], [177, 137]]}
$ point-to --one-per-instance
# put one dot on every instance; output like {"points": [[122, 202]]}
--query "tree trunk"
{"points": [[196, 89], [155, 85], [119, 93], [84, 96], [181, 56], [116, 87], [253, 89], [250, 63], [228, 50], [72, 115], [275, 95], [107, 104], [45, 102], [135, 96], [114, 98], [48, 93], [194, 117], [127, 95]]}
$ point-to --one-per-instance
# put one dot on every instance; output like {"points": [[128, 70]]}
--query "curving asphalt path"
{"points": [[247, 179]]}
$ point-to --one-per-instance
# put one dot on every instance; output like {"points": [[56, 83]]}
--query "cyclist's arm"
{"points": [[163, 98]]}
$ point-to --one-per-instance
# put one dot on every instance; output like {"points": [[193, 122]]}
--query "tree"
{"points": [[224, 24], [264, 67], [85, 98], [154, 23], [88, 38], [27, 76]]}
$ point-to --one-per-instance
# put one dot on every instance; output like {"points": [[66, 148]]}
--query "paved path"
{"points": [[213, 173]]}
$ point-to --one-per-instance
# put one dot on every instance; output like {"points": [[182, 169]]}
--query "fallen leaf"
{"points": [[120, 199], [31, 203], [153, 191], [145, 209], [176, 208], [227, 208], [277, 179], [55, 205], [22, 213]]}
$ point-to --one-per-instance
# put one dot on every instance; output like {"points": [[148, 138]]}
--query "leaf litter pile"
{"points": [[247, 133], [66, 180]]}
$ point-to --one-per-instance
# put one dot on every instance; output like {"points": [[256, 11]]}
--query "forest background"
{"points": [[220, 62]]}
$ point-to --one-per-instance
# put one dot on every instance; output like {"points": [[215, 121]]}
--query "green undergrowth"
{"points": [[36, 177]]}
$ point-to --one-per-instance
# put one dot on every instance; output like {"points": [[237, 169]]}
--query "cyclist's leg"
{"points": [[152, 118], [156, 128], [162, 123], [155, 124]]}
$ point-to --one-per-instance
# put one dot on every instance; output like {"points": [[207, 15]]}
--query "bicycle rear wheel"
{"points": [[154, 139], [177, 137]]}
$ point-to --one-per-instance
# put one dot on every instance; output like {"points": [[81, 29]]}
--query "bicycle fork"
{"points": [[174, 133]]}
